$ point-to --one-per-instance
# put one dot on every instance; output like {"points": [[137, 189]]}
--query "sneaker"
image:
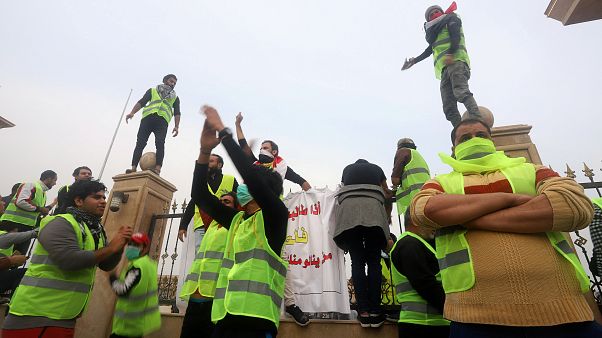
{"points": [[364, 320], [377, 319], [392, 318], [130, 171], [300, 318], [4, 300]]}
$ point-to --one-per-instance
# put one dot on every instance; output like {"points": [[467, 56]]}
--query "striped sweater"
{"points": [[520, 279]]}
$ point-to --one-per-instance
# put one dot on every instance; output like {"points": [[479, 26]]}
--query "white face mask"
{"points": [[265, 156]]}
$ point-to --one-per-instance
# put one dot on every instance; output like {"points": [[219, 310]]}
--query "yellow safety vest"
{"points": [[48, 291], [251, 280], [137, 314], [226, 185], [159, 106], [415, 173], [598, 202], [453, 252], [441, 48], [17, 215], [205, 268], [414, 308]]}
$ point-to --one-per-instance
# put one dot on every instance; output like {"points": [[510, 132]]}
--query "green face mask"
{"points": [[478, 155], [132, 252], [476, 147]]}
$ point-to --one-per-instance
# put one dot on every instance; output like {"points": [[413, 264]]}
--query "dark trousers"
{"points": [[454, 88], [573, 330], [10, 279], [365, 244], [197, 320], [39, 332], [241, 332], [8, 226], [151, 124], [407, 330]]}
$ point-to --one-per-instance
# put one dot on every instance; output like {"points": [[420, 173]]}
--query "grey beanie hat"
{"points": [[427, 14]]}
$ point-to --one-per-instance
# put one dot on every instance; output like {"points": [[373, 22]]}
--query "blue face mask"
{"points": [[243, 195], [132, 252]]}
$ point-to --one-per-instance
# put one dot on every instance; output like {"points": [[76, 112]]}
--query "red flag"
{"points": [[451, 8]]}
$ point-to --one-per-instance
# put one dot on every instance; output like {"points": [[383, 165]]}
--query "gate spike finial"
{"points": [[588, 172], [570, 172], [184, 205]]}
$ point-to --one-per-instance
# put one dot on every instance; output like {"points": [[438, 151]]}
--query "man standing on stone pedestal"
{"points": [[445, 37], [410, 171], [58, 283], [163, 104]]}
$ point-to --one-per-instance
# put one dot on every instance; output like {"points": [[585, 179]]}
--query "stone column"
{"points": [[515, 141], [147, 194]]}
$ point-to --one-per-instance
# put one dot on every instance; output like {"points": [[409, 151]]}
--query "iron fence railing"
{"points": [[168, 283], [580, 241]]}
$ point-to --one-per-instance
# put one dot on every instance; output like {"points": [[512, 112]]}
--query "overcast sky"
{"points": [[321, 78]]}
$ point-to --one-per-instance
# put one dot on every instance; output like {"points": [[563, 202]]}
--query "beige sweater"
{"points": [[520, 279]]}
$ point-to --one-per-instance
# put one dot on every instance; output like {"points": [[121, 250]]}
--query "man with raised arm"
{"points": [[269, 157], [250, 286]]}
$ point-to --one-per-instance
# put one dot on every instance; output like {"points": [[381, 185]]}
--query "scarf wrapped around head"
{"points": [[433, 28], [166, 92], [93, 223], [478, 155]]}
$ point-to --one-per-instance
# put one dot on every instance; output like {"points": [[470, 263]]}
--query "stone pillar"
{"points": [[147, 194], [515, 141]]}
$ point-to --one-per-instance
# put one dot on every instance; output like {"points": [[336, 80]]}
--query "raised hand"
{"points": [[239, 118], [209, 139], [213, 119]]}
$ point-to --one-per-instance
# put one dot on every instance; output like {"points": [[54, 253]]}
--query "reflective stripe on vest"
{"points": [[225, 186], [204, 271], [17, 215], [159, 106], [441, 47], [251, 280], [137, 314], [453, 251], [48, 291], [415, 173], [414, 308]]}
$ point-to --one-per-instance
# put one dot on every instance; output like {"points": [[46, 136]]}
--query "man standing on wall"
{"points": [[445, 37], [163, 104]]}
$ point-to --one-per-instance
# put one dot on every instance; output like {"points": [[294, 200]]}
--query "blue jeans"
{"points": [[572, 330]]}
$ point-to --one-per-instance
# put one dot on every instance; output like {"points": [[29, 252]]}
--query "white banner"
{"points": [[316, 265]]}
